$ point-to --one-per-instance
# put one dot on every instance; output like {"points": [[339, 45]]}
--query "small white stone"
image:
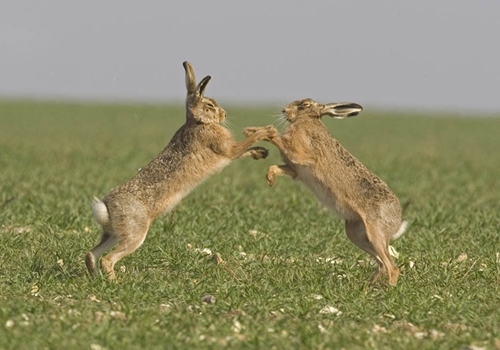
{"points": [[330, 310]]}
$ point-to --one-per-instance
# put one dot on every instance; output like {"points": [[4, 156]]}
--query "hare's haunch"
{"points": [[201, 147], [371, 211]]}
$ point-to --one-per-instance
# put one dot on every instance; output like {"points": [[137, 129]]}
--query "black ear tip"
{"points": [[355, 105], [205, 80]]}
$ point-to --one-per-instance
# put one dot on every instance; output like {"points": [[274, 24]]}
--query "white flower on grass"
{"points": [[461, 257], [97, 347], [9, 324], [378, 329], [322, 329], [204, 251], [118, 315], [330, 310], [34, 290], [165, 307], [236, 327], [94, 298], [331, 260]]}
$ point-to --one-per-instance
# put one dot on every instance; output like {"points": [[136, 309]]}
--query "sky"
{"points": [[425, 55]]}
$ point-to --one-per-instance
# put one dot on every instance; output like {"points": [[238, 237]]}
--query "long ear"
{"points": [[202, 85], [341, 110], [190, 78]]}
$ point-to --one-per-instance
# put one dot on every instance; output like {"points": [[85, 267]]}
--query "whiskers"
{"points": [[227, 124], [280, 122], [279, 119]]}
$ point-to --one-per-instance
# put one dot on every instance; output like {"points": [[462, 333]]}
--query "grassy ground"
{"points": [[290, 279]]}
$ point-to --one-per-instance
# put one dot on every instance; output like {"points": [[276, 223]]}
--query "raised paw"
{"points": [[271, 177], [251, 130], [270, 132], [259, 153], [264, 133]]}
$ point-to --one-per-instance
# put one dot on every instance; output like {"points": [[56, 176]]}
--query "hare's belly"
{"points": [[176, 190], [325, 195]]}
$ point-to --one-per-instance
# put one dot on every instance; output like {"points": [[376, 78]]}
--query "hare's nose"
{"points": [[283, 111]]}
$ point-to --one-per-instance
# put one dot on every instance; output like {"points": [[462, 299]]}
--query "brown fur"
{"points": [[371, 211], [201, 147]]}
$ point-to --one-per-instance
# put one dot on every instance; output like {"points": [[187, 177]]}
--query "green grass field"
{"points": [[291, 279]]}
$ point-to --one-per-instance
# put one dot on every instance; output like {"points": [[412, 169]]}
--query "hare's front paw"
{"points": [[259, 153], [267, 133], [264, 133], [251, 130], [271, 132], [271, 176]]}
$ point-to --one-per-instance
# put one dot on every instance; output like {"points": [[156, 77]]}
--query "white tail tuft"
{"points": [[100, 212], [401, 230]]}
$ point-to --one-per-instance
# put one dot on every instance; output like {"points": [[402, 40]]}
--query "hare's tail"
{"points": [[100, 212], [401, 230]]}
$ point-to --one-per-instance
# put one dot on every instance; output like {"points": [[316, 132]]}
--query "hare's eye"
{"points": [[210, 105], [306, 104]]}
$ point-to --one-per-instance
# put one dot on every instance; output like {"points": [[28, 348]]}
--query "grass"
{"points": [[290, 279]]}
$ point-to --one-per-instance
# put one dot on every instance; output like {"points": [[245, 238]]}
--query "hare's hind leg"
{"points": [[372, 240], [279, 170], [107, 242], [129, 241]]}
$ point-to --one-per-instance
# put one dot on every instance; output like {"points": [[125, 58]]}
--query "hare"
{"points": [[371, 211], [200, 148]]}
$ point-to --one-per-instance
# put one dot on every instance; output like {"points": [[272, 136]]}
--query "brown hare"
{"points": [[371, 211], [200, 148]]}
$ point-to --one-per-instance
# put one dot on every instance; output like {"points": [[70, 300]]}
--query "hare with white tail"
{"points": [[371, 211], [200, 148]]}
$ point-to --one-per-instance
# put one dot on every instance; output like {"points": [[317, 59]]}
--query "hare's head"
{"points": [[308, 108], [199, 108]]}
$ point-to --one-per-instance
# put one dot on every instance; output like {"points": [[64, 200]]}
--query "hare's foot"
{"points": [[90, 261], [393, 275], [271, 175], [371, 239], [108, 268], [279, 170], [376, 276], [256, 153]]}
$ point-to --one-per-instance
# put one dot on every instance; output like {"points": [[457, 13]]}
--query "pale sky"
{"points": [[427, 54]]}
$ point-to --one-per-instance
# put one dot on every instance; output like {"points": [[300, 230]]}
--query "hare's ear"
{"points": [[190, 78], [341, 110], [202, 85]]}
